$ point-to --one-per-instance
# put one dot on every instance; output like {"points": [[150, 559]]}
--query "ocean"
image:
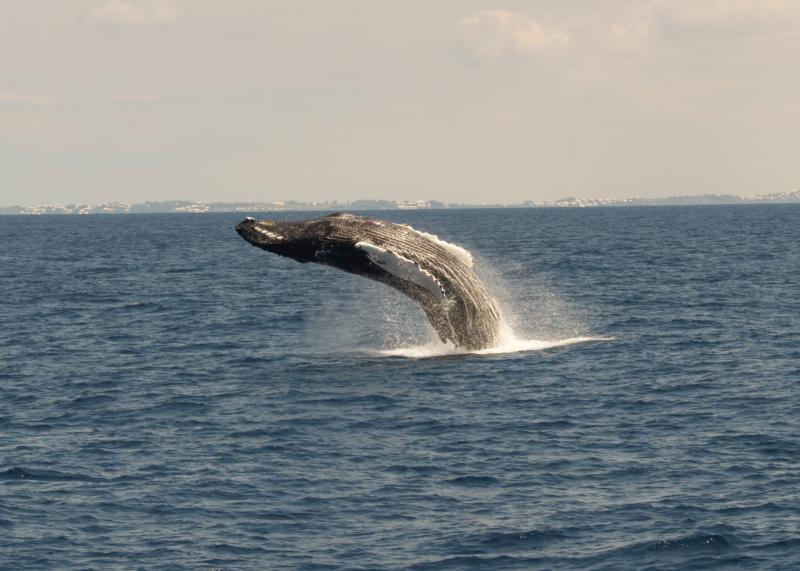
{"points": [[173, 398]]}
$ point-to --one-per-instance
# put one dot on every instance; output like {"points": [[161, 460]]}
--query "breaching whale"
{"points": [[434, 273]]}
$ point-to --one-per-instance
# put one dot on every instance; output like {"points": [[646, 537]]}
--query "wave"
{"points": [[17, 473]]}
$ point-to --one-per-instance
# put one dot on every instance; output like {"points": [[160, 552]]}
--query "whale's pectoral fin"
{"points": [[403, 269]]}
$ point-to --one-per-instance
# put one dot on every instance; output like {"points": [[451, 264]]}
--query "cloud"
{"points": [[715, 13], [12, 97], [136, 12], [493, 36], [134, 99], [710, 19], [624, 37]]}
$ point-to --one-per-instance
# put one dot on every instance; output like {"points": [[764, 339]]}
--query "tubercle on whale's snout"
{"points": [[246, 223], [259, 233]]}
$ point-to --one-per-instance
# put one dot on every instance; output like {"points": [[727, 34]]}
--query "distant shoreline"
{"points": [[188, 206]]}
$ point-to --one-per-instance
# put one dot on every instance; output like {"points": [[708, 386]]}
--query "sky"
{"points": [[452, 100]]}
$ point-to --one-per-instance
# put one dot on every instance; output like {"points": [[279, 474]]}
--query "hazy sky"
{"points": [[455, 100]]}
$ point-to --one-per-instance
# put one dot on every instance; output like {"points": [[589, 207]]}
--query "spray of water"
{"points": [[533, 318], [368, 317]]}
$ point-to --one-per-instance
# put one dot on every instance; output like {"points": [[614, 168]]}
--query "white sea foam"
{"points": [[508, 343]]}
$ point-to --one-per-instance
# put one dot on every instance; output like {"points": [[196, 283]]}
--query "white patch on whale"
{"points": [[457, 251], [268, 234], [402, 268]]}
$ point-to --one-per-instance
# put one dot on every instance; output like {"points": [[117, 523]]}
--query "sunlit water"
{"points": [[172, 398]]}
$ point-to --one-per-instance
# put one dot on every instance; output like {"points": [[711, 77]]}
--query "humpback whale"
{"points": [[437, 275]]}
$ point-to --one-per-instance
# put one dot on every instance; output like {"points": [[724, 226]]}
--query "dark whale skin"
{"points": [[425, 269]]}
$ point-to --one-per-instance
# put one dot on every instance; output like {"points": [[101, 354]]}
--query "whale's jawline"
{"points": [[437, 275]]}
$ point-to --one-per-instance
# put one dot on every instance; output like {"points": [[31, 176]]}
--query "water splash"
{"points": [[508, 343], [370, 317], [533, 318]]}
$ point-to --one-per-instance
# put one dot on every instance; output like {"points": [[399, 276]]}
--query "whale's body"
{"points": [[435, 274]]}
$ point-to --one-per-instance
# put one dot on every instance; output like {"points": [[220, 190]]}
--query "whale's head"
{"points": [[292, 239]]}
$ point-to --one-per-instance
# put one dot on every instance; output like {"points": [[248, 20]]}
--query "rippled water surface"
{"points": [[172, 398]]}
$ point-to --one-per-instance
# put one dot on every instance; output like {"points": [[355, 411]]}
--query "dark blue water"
{"points": [[172, 398]]}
